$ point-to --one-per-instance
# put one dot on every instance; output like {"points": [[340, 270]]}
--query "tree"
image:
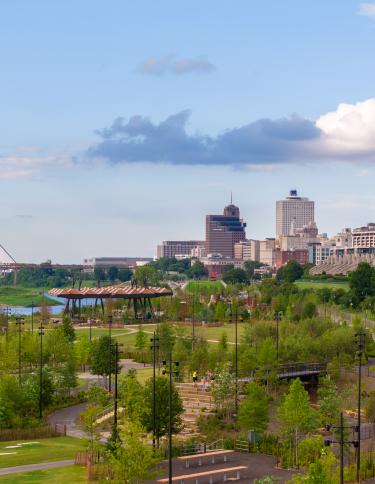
{"points": [[309, 310], [254, 408], [329, 400], [103, 356], [88, 419], [197, 270], [68, 329], [297, 417], [112, 273], [249, 267], [290, 272], [140, 339], [125, 274], [131, 395], [146, 276], [362, 282], [133, 459], [99, 274], [162, 406], [235, 276], [167, 338], [223, 391]]}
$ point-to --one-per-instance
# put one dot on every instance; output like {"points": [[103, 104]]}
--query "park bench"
{"points": [[210, 474], [201, 457]]}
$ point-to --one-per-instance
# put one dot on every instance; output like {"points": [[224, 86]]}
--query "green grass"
{"points": [[62, 475], [208, 287], [24, 296], [46, 450], [322, 284]]}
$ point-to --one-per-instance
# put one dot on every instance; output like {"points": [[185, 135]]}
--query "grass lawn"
{"points": [[62, 475], [209, 287], [320, 285], [44, 450], [24, 296]]}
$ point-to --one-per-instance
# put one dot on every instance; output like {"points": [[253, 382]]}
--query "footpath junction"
{"points": [[138, 297]]}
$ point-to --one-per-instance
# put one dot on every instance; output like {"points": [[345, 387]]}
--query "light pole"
{"points": [[19, 323], [193, 335], [328, 442], [234, 316], [115, 400], [168, 368], [278, 316], [41, 333], [360, 337], [110, 353], [154, 347], [32, 316]]}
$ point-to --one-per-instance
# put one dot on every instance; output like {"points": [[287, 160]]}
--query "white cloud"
{"points": [[349, 131], [367, 9], [22, 165]]}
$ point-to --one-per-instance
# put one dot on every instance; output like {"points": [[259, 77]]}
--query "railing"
{"points": [[106, 410], [241, 446], [203, 447], [302, 368]]}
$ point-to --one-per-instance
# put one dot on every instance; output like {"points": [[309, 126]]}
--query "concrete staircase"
{"points": [[196, 402]]}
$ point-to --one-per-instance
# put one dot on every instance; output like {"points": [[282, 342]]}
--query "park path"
{"points": [[35, 467], [68, 416]]}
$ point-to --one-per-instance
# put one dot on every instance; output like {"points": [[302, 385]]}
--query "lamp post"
{"points": [[168, 368], [193, 335], [234, 316], [32, 316], [154, 347], [328, 442], [19, 323], [41, 333], [110, 353], [278, 316], [115, 399], [360, 339]]}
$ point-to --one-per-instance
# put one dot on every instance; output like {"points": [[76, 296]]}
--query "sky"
{"points": [[124, 123]]}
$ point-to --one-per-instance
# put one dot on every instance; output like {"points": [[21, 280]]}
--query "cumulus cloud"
{"points": [[367, 9], [160, 66], [348, 133]]}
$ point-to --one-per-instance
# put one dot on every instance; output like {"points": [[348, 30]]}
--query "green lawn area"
{"points": [[24, 296], [44, 450], [322, 284], [209, 287], [62, 475]]}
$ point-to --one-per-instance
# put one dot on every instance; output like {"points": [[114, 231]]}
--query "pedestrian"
{"points": [[195, 377]]}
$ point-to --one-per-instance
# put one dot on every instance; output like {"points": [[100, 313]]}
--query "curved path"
{"points": [[68, 416]]}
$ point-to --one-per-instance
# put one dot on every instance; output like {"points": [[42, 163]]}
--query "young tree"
{"points": [[162, 406], [131, 395], [223, 390], [141, 339], [68, 329], [88, 419], [197, 270], [235, 276], [103, 356], [125, 274], [254, 408], [99, 274], [146, 276], [290, 272], [133, 460], [329, 400], [297, 417]]}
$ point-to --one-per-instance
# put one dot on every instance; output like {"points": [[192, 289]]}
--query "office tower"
{"points": [[293, 213], [177, 248], [223, 231]]}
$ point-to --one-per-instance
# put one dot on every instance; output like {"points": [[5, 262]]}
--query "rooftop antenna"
{"points": [[231, 201]]}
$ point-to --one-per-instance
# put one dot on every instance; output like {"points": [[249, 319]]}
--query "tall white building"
{"points": [[293, 213]]}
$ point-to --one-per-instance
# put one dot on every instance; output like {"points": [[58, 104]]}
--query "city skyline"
{"points": [[110, 136]]}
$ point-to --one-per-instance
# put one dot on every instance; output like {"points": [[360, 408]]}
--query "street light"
{"points": [[110, 353], [32, 316], [278, 316], [154, 347], [115, 400], [360, 339], [235, 314], [19, 323], [168, 368], [41, 333], [328, 442]]}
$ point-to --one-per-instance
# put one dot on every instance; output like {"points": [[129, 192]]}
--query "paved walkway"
{"points": [[35, 467], [68, 416]]}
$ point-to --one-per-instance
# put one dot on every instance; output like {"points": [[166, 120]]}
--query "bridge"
{"points": [[288, 371]]}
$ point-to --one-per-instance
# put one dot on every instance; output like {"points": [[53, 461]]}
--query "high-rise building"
{"points": [[177, 248], [293, 213], [223, 231], [267, 252], [247, 250]]}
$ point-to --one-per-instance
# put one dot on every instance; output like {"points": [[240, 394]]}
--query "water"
{"points": [[55, 310]]}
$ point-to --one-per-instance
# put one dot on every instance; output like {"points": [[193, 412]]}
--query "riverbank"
{"points": [[24, 297]]}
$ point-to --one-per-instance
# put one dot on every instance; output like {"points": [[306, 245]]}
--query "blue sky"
{"points": [[213, 96]]}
